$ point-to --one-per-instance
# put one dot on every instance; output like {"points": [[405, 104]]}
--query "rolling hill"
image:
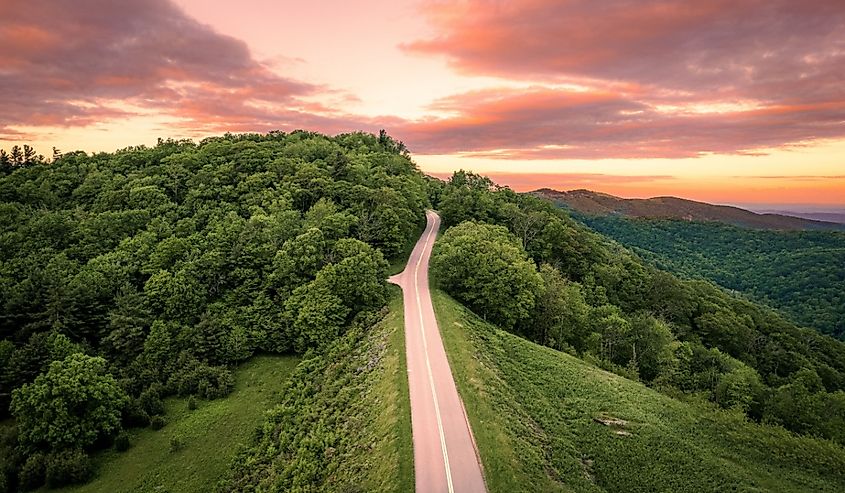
{"points": [[601, 204], [548, 421]]}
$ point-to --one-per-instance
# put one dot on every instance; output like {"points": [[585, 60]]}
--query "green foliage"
{"points": [[176, 262], [598, 300], [343, 423], [801, 273], [33, 472], [211, 436], [158, 422], [176, 443], [48, 410], [65, 467], [485, 267], [122, 442], [537, 414]]}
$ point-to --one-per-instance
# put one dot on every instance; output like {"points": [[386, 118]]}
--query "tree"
{"points": [[561, 315], [738, 388], [485, 267], [16, 156], [28, 155], [72, 405], [648, 346], [5, 163], [315, 314]]}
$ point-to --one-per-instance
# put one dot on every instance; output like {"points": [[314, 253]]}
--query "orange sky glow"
{"points": [[727, 101]]}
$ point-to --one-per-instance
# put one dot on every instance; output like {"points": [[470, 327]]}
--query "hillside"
{"points": [[526, 266], [601, 204], [342, 423], [547, 421], [132, 277], [801, 273], [831, 217], [208, 437]]}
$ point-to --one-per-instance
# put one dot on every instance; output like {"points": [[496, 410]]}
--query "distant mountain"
{"points": [[602, 204], [832, 217]]}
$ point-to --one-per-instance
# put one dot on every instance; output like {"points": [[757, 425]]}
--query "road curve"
{"points": [[445, 458]]}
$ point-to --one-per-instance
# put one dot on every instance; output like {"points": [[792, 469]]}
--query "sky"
{"points": [[726, 101]]}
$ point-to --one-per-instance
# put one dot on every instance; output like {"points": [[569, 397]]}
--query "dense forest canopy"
{"points": [[126, 277], [151, 271], [801, 273], [520, 262]]}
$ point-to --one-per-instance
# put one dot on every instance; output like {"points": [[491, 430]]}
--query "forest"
{"points": [[130, 276], [149, 272], [520, 263], [801, 273]]}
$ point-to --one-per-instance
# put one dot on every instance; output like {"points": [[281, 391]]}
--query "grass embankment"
{"points": [[533, 411], [344, 423], [209, 436]]}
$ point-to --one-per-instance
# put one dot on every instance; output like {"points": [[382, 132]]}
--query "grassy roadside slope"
{"points": [[533, 411], [344, 422], [209, 435]]}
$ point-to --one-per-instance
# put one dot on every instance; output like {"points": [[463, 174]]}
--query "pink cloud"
{"points": [[550, 123], [765, 49], [75, 63]]}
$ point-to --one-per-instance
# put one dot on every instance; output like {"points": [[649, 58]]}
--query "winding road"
{"points": [[445, 458]]}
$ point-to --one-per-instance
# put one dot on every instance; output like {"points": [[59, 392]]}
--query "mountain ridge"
{"points": [[668, 207]]}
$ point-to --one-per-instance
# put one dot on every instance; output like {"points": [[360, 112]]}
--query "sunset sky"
{"points": [[729, 101]]}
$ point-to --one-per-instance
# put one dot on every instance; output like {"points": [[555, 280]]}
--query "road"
{"points": [[445, 458]]}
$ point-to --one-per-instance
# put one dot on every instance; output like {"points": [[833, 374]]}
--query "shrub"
{"points": [[121, 442], [192, 403], [157, 422], [5, 482], [135, 415], [175, 444], [31, 475], [195, 377], [68, 467], [150, 401]]}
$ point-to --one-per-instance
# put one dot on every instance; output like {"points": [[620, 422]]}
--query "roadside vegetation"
{"points": [[130, 277], [521, 263], [344, 421], [545, 420]]}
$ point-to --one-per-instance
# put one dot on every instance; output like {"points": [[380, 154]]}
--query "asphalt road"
{"points": [[445, 458]]}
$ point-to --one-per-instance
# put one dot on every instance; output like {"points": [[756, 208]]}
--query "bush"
{"points": [[31, 475], [122, 443], [157, 422], [150, 401], [134, 414], [195, 377], [5, 482], [192, 403], [176, 443], [68, 467]]}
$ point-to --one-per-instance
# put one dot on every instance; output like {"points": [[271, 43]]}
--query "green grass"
{"points": [[210, 434], [533, 411], [344, 424], [393, 464], [397, 264]]}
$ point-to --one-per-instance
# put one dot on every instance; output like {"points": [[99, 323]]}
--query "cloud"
{"points": [[567, 181], [549, 123], [653, 78], [82, 62], [759, 48]]}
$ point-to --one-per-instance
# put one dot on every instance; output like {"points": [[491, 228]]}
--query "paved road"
{"points": [[445, 459]]}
